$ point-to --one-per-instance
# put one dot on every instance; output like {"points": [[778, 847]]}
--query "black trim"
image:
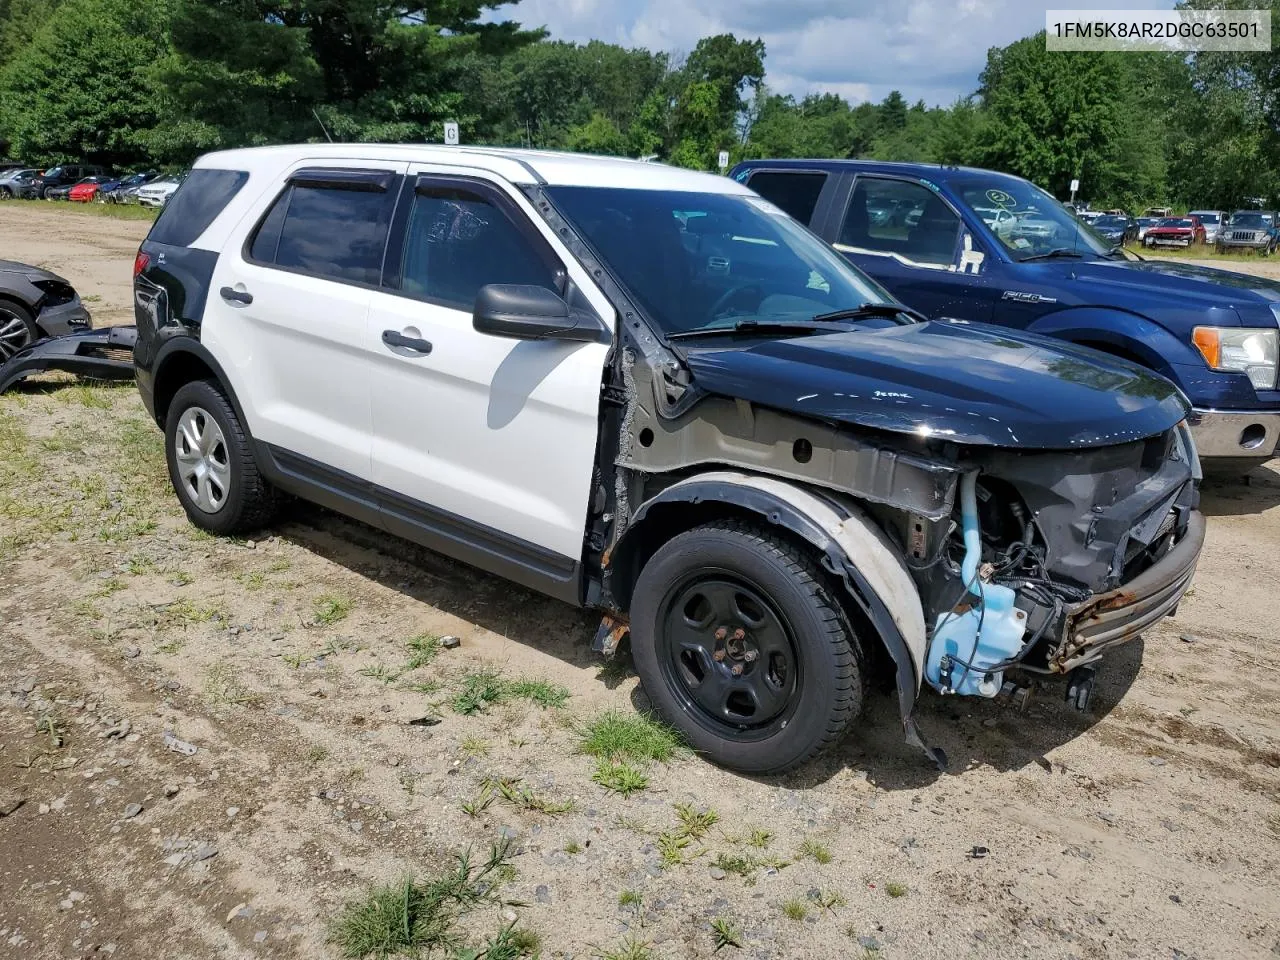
{"points": [[480, 546], [343, 178], [97, 354]]}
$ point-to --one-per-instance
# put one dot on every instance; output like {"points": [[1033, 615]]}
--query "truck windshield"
{"points": [[1028, 221], [707, 261]]}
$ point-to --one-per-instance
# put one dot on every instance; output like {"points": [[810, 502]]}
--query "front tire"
{"points": [[741, 645], [17, 329], [211, 463]]}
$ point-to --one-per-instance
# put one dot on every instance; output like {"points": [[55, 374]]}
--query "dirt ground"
{"points": [[1149, 827]]}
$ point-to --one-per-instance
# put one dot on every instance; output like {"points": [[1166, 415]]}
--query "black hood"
{"points": [[969, 383]]}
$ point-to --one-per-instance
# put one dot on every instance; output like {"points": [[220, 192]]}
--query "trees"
{"points": [[77, 89]]}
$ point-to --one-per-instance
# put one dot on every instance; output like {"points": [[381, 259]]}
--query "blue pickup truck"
{"points": [[979, 246]]}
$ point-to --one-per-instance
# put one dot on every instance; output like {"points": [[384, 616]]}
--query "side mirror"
{"points": [[527, 312]]}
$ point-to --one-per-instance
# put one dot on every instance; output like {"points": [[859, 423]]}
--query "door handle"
{"points": [[394, 338], [238, 296]]}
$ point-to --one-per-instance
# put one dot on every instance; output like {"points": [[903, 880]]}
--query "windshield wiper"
{"points": [[1051, 254], [870, 310], [752, 326]]}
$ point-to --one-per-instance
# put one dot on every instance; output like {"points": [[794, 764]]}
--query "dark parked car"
{"points": [[35, 303], [994, 248], [1116, 230], [63, 175], [1248, 230], [118, 190]]}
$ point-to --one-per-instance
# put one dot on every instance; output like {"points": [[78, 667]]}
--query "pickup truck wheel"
{"points": [[741, 646], [211, 463]]}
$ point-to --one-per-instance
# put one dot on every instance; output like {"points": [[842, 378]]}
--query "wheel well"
{"points": [[1115, 351], [664, 521], [178, 370]]}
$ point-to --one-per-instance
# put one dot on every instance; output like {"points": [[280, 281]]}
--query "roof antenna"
{"points": [[321, 122]]}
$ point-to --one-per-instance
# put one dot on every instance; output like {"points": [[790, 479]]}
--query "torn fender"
{"points": [[854, 549], [103, 354]]}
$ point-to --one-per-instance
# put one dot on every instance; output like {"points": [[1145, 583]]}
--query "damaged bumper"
{"points": [[104, 354], [1120, 615]]}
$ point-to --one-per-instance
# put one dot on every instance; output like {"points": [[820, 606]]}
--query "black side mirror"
{"points": [[527, 312]]}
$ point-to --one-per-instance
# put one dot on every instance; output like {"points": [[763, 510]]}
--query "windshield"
{"points": [[1175, 222], [703, 261], [1247, 220], [1028, 221], [1111, 222], [1207, 217]]}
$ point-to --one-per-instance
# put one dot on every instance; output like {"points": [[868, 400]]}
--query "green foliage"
{"points": [[630, 736]]}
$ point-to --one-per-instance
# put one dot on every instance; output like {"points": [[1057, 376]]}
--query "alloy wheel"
{"points": [[14, 334], [203, 465]]}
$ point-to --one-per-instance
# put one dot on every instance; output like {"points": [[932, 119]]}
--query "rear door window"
{"points": [[335, 231], [796, 193], [195, 204], [900, 218]]}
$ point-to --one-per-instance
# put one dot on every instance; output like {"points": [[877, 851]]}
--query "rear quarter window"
{"points": [[195, 204], [795, 192]]}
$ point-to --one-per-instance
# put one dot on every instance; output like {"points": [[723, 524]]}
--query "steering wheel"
{"points": [[723, 301]]}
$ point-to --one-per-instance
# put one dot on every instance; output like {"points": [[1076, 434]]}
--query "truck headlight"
{"points": [[1248, 350]]}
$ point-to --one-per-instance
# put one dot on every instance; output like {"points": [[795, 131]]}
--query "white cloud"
{"points": [[929, 49]]}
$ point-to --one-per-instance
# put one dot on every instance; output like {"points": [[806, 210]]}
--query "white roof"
{"points": [[513, 165]]}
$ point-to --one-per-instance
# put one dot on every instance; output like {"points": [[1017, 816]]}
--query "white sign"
{"points": [[451, 134], [1075, 185], [724, 159]]}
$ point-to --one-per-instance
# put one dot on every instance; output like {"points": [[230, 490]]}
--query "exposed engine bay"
{"points": [[1043, 545]]}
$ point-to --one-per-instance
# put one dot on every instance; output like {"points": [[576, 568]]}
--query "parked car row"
{"points": [[85, 183], [1256, 230]]}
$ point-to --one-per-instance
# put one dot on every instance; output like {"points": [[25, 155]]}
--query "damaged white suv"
{"points": [[648, 391]]}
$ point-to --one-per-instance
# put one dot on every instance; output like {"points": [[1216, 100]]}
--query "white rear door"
{"points": [[288, 310], [490, 441]]}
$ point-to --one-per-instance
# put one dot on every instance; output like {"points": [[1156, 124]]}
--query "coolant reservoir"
{"points": [[952, 646]]}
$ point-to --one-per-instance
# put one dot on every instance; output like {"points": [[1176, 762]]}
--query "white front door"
{"points": [[485, 440], [287, 314]]}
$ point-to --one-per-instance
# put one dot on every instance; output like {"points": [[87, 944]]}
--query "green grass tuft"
{"points": [[815, 851], [795, 910], [620, 777], [726, 934], [895, 889], [330, 609], [615, 735]]}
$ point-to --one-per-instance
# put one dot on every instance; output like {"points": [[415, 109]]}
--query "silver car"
{"points": [[13, 181], [1212, 221]]}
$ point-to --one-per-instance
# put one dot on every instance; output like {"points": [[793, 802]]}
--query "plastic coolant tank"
{"points": [[1003, 627]]}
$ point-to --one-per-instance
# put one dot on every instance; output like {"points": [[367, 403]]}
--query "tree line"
{"points": [[158, 82]]}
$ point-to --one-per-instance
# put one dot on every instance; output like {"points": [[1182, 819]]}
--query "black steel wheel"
{"points": [[741, 645]]}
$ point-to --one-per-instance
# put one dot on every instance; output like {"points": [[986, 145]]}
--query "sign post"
{"points": [[724, 160], [451, 134], [1075, 185]]}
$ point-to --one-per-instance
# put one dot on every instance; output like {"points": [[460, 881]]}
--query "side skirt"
{"points": [[488, 549]]}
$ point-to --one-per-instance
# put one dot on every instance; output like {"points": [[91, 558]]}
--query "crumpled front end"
{"points": [[1052, 558]]}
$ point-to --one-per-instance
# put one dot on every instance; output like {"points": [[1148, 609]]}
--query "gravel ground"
{"points": [[1146, 828]]}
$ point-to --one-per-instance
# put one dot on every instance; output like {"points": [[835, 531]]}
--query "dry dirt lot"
{"points": [[1148, 828]]}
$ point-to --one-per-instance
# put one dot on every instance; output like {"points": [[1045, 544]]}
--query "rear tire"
{"points": [[730, 596], [211, 464]]}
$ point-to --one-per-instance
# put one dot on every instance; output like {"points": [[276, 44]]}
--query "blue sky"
{"points": [[929, 49]]}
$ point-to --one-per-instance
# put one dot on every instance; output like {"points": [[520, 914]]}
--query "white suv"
{"points": [[649, 391]]}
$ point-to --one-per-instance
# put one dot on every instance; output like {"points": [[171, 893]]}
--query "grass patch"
{"points": [[828, 900], [620, 777], [422, 650], [483, 688], [513, 792], [673, 848], [573, 847], [330, 608], [380, 672], [759, 838], [694, 822], [630, 947], [895, 889], [413, 917], [474, 747], [632, 899], [794, 909], [815, 851], [222, 685], [725, 934], [615, 735]]}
